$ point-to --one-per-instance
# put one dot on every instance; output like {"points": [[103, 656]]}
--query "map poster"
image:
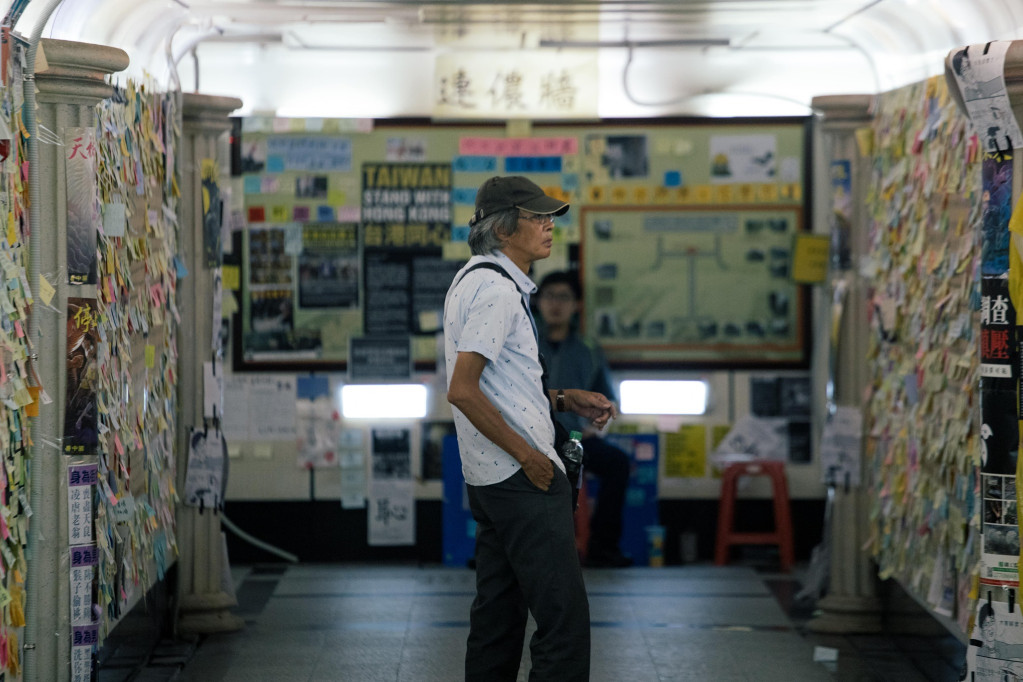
{"points": [[693, 285]]}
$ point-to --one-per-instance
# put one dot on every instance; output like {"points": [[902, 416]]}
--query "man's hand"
{"points": [[593, 406], [539, 470]]}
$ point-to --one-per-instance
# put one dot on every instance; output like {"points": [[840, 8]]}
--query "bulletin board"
{"points": [[682, 230]]}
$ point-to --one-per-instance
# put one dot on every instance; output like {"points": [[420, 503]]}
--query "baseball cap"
{"points": [[514, 191]]}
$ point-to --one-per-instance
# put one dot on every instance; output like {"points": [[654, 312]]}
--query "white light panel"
{"points": [[663, 397], [383, 401]]}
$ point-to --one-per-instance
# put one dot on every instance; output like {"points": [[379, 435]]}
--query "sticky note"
{"points": [[114, 220], [46, 290]]}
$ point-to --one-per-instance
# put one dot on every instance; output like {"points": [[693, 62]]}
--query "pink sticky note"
{"points": [[117, 445], [18, 330]]}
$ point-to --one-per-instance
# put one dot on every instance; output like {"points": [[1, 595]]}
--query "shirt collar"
{"points": [[521, 279]]}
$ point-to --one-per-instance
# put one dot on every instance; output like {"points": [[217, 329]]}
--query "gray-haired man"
{"points": [[518, 492]]}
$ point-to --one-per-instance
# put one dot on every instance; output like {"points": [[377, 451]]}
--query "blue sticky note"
{"points": [[253, 184], [179, 266], [325, 214], [459, 233], [275, 164], [673, 179], [475, 164], [464, 195], [570, 182], [312, 387]]}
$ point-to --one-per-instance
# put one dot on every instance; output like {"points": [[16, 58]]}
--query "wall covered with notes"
{"points": [[925, 207]]}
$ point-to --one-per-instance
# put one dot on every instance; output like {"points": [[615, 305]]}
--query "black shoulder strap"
{"points": [[487, 265]]}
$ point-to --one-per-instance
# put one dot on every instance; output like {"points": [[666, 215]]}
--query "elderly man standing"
{"points": [[519, 495]]}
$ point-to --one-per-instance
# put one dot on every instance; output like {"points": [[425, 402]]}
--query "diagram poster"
{"points": [[709, 285], [81, 433]]}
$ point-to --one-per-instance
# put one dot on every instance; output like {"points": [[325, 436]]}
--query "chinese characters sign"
{"points": [[83, 216], [555, 85], [392, 510]]}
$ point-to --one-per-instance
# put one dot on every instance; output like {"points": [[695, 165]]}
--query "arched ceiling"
{"points": [[659, 57]]}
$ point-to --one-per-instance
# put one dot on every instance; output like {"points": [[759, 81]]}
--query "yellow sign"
{"points": [[685, 452]]}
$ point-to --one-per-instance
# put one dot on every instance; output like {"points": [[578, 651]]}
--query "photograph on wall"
{"points": [[83, 214], [311, 187], [1000, 531], [743, 158], [212, 213], [269, 261], [616, 157], [81, 432], [328, 266]]}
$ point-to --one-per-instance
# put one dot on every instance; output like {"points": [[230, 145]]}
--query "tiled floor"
{"points": [[404, 623]]}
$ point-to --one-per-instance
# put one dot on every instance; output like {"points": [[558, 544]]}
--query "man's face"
{"points": [[557, 304], [533, 238]]}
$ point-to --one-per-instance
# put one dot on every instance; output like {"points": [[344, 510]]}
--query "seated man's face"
{"points": [[557, 304]]}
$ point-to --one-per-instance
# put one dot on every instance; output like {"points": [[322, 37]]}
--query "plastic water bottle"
{"points": [[572, 451]]}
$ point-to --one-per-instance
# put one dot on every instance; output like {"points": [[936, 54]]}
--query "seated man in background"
{"points": [[577, 362]]}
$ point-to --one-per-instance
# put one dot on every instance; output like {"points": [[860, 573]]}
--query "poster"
{"points": [[663, 283], [83, 214], [978, 70], [997, 182], [81, 434], [318, 423], [995, 651], [328, 266], [212, 213], [205, 478], [406, 214], [391, 514]]}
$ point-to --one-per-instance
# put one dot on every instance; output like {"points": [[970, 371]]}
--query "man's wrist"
{"points": [[560, 401]]}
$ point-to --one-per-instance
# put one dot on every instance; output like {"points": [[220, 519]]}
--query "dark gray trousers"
{"points": [[526, 562]]}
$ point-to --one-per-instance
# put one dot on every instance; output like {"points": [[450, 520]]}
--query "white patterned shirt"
{"points": [[484, 313]]}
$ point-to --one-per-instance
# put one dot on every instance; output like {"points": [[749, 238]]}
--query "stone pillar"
{"points": [[203, 602], [851, 604], [68, 91]]}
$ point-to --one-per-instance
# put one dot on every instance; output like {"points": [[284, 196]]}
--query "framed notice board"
{"points": [[682, 230]]}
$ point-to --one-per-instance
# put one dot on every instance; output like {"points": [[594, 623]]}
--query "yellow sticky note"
{"points": [[150, 355], [46, 290], [810, 258], [231, 277]]}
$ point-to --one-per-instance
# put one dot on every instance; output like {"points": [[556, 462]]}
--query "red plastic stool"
{"points": [[782, 533], [582, 523]]}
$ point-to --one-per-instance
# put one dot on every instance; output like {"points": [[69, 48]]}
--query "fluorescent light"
{"points": [[383, 401], [663, 397]]}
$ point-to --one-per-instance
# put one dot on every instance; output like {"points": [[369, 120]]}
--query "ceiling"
{"points": [[375, 57]]}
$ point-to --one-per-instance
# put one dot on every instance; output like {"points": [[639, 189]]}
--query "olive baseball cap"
{"points": [[514, 191]]}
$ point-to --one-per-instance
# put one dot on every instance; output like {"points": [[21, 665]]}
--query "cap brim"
{"points": [[544, 205]]}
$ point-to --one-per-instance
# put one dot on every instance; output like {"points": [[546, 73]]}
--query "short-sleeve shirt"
{"points": [[484, 313]]}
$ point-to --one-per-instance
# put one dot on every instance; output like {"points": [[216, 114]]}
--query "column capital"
{"points": [[207, 113], [76, 72], [841, 112]]}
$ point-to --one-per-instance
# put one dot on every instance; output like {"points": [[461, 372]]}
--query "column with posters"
{"points": [[978, 71], [406, 220]]}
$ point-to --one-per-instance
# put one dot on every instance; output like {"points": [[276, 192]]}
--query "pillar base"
{"points": [[847, 615], [203, 614]]}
